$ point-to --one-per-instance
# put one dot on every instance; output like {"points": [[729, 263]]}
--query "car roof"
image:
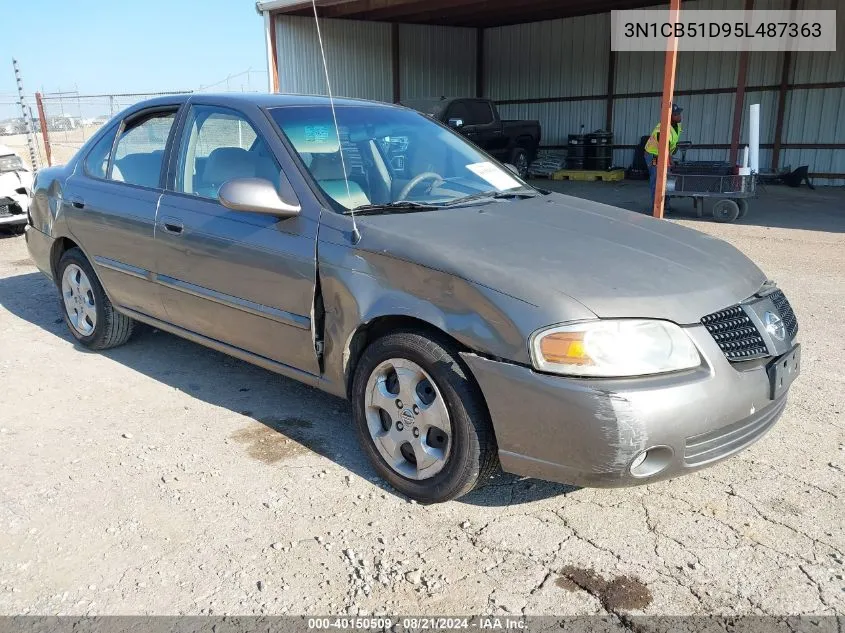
{"points": [[262, 100]]}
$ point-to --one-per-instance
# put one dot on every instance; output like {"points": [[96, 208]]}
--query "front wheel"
{"points": [[88, 313], [420, 419]]}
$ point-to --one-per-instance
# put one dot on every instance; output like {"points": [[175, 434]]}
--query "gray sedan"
{"points": [[370, 252]]}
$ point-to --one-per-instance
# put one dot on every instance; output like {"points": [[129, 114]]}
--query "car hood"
{"points": [[615, 262]]}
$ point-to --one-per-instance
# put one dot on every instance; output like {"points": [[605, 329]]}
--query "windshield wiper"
{"points": [[400, 206], [495, 195]]}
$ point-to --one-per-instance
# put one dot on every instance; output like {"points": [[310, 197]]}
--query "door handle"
{"points": [[78, 202], [171, 225]]}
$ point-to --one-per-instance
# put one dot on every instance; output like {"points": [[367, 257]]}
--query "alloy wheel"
{"points": [[78, 299], [407, 419]]}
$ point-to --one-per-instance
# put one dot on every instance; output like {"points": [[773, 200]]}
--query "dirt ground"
{"points": [[165, 478]]}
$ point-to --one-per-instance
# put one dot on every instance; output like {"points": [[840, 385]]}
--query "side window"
{"points": [[218, 145], [459, 110], [139, 152], [480, 113], [97, 161]]}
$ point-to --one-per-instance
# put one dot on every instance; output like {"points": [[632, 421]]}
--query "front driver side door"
{"points": [[244, 279]]}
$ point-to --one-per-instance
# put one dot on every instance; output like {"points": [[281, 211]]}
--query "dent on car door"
{"points": [[111, 202], [242, 278]]}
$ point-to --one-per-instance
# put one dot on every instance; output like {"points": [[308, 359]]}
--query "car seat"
{"points": [[327, 170]]}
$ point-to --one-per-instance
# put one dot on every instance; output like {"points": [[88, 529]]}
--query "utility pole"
{"points": [[669, 67], [26, 118]]}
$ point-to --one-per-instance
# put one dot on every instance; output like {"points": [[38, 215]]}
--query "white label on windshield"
{"points": [[496, 176]]}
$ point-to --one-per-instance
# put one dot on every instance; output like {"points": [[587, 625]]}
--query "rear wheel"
{"points": [[420, 419], [725, 211], [88, 313]]}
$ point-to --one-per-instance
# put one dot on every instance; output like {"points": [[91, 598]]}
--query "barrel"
{"points": [[577, 151], [599, 155]]}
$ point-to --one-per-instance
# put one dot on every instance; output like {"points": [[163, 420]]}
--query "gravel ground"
{"points": [[165, 478]]}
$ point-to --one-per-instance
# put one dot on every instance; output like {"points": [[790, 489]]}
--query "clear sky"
{"points": [[99, 46]]}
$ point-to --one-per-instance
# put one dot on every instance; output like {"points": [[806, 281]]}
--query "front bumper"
{"points": [[587, 432], [11, 220]]}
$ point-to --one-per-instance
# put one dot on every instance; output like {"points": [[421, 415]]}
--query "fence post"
{"points": [[26, 119], [44, 133]]}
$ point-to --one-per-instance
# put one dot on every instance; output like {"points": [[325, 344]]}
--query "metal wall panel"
{"points": [[555, 58], [822, 66], [831, 161], [358, 56], [768, 101], [436, 61], [815, 116], [559, 120]]}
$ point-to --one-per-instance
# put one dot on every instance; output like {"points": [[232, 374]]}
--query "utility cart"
{"points": [[711, 179]]}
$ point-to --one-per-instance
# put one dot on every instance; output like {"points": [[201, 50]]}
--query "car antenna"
{"points": [[355, 232]]}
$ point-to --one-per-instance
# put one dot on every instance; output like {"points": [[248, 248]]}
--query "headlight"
{"points": [[608, 348]]}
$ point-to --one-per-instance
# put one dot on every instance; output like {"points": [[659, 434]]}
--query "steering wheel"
{"points": [[416, 180]]}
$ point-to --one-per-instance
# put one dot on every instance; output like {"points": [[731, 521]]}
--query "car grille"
{"points": [[736, 334], [719, 443], [786, 313]]}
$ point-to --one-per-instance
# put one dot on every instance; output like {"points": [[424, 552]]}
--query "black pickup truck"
{"points": [[513, 142]]}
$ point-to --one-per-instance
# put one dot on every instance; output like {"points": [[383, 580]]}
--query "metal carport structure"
{"points": [[551, 60]]}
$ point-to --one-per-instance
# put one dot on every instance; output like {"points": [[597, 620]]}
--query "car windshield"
{"points": [[393, 157]]}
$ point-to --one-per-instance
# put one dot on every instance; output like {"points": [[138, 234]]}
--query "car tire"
{"points": [[726, 210], [469, 455], [519, 159], [87, 311]]}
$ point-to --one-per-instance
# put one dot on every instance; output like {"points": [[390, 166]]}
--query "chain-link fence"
{"points": [[13, 126], [71, 118]]}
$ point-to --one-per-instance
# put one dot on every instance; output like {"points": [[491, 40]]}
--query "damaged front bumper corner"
{"points": [[625, 432]]}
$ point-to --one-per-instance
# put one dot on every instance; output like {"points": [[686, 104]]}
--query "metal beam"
{"points": [[270, 49], [42, 119], [358, 7], [451, 9], [611, 80], [786, 66], [669, 66], [739, 100]]}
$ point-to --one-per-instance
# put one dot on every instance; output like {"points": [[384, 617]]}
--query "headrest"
{"points": [[226, 163], [327, 167]]}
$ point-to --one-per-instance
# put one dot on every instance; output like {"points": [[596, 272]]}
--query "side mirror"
{"points": [[456, 123], [513, 168], [256, 195]]}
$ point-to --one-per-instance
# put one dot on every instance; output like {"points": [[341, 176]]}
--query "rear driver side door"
{"points": [[244, 279], [112, 200]]}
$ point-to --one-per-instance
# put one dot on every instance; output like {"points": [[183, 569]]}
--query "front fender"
{"points": [[359, 287]]}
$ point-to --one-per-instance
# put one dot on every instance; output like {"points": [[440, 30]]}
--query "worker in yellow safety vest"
{"points": [[651, 146]]}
